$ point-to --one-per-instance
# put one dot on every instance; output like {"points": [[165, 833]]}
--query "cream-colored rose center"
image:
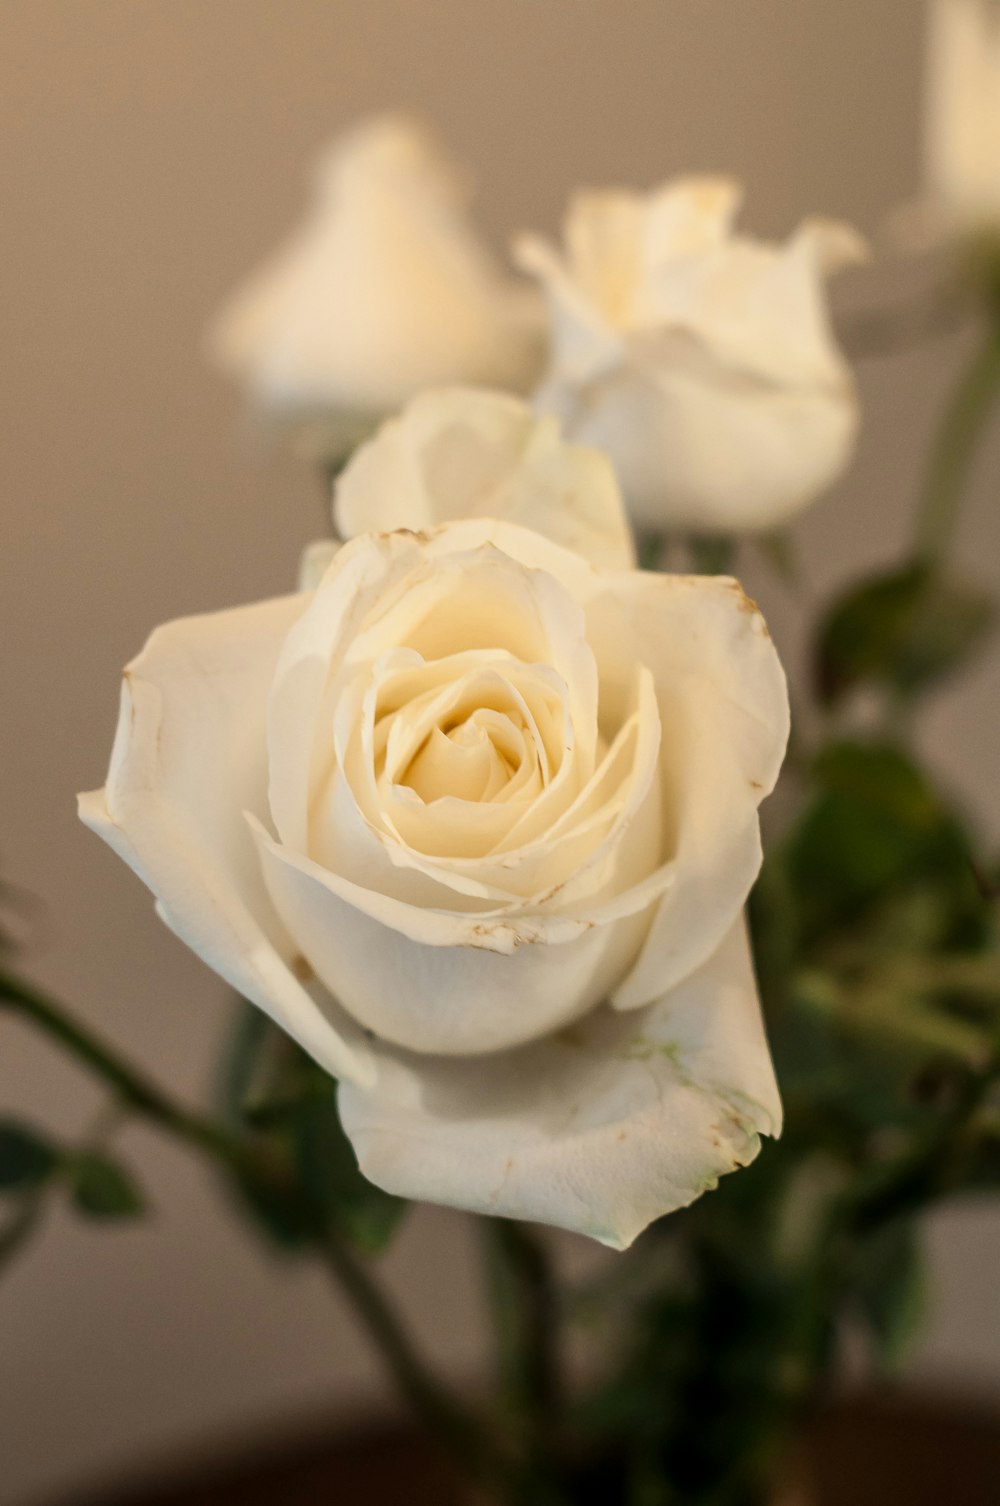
{"points": [[495, 738], [471, 761]]}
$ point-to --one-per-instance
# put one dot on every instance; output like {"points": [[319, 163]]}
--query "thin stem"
{"points": [[711, 554], [526, 1309], [441, 1414], [444, 1418], [958, 439], [133, 1090], [650, 549]]}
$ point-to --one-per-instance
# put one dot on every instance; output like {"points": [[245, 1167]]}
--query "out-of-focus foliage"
{"points": [[285, 1106], [900, 631]]}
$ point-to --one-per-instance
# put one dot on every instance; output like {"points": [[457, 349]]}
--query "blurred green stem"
{"points": [[446, 1420], [955, 449], [712, 554], [650, 549], [456, 1429], [131, 1089], [526, 1321]]}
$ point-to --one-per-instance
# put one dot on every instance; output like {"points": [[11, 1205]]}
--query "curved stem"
{"points": [[444, 1417], [957, 442], [132, 1089], [457, 1429]]}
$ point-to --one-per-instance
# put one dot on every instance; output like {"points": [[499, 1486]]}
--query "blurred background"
{"points": [[151, 151]]}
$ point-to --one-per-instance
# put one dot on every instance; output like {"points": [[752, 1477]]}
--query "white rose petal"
{"points": [[473, 790], [464, 453], [963, 115], [189, 759], [701, 361], [386, 289], [315, 562], [601, 1128]]}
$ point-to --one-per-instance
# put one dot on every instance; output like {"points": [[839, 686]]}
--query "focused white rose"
{"points": [[963, 116], [465, 453], [701, 361], [386, 289], [475, 822]]}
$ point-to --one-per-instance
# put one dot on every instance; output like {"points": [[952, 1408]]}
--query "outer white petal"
{"points": [[600, 1129], [385, 289], [463, 452], [724, 710], [700, 448], [962, 118], [459, 983], [189, 758]]}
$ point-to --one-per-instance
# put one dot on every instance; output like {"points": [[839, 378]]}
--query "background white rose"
{"points": [[385, 289], [432, 816], [701, 361], [465, 452], [963, 113]]}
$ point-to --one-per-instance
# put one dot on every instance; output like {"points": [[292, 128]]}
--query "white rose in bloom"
{"points": [[963, 113], [475, 822], [701, 361], [464, 452], [387, 288]]}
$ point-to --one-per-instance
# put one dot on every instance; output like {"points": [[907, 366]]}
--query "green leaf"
{"points": [[287, 1107], [328, 1166], [102, 1188], [903, 630], [26, 1158], [875, 831]]}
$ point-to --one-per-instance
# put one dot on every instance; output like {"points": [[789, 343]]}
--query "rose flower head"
{"points": [[702, 361], [475, 821], [386, 288]]}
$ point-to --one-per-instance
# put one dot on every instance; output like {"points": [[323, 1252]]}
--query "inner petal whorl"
{"points": [[464, 762]]}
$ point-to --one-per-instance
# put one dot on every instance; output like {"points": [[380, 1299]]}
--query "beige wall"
{"points": [[150, 150]]}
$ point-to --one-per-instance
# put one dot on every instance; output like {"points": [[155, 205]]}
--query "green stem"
{"points": [[526, 1309], [444, 1418], [712, 554], [650, 549], [951, 461], [133, 1090]]}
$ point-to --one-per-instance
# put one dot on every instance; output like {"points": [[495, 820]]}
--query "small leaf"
{"points": [[875, 829], [904, 629], [26, 1159], [102, 1188], [329, 1171]]}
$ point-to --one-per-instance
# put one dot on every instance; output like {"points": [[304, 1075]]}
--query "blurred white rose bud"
{"points": [[386, 288], [963, 114], [701, 361], [462, 452]]}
